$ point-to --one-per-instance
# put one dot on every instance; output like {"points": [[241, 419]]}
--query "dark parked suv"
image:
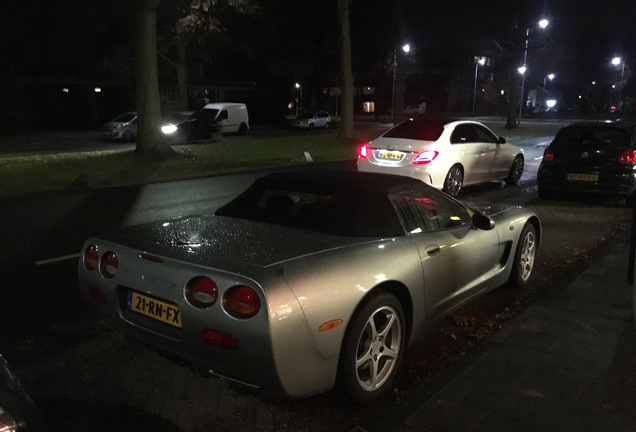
{"points": [[590, 158]]}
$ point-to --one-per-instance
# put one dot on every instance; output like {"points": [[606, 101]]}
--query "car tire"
{"points": [[373, 346], [454, 180], [327, 125], [516, 170], [242, 130], [525, 257]]}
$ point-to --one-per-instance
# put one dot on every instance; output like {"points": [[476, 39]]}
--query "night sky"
{"points": [[54, 38]]}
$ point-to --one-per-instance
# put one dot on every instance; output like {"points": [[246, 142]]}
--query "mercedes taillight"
{"points": [[425, 157], [363, 151]]}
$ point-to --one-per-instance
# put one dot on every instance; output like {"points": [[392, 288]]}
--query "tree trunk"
{"points": [[182, 76], [513, 96], [346, 75], [151, 143]]}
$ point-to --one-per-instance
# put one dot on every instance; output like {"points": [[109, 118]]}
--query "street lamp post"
{"points": [[479, 61], [548, 76], [405, 48], [618, 61], [542, 24], [299, 101], [545, 90]]}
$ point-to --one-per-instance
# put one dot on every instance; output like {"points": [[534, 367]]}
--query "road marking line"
{"points": [[57, 259]]}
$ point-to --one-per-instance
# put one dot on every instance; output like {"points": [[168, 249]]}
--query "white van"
{"points": [[229, 117]]}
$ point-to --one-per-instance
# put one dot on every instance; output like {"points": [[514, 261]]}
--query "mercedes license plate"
{"points": [[389, 154]]}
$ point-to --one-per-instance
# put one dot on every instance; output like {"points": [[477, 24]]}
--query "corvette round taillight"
{"points": [[242, 302], [91, 257], [109, 264], [201, 292]]}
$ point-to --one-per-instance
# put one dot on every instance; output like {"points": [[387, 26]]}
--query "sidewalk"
{"points": [[567, 363]]}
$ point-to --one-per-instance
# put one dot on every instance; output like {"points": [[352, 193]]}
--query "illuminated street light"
{"points": [[548, 76], [299, 101], [542, 24], [618, 61], [406, 48], [479, 61]]}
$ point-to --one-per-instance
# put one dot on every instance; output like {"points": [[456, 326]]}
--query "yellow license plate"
{"points": [[583, 177], [388, 154], [153, 308]]}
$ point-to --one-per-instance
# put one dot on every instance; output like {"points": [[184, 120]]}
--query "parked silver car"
{"points": [[311, 120], [307, 278], [121, 128]]}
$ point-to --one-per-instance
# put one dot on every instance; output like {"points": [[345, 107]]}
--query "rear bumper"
{"points": [[612, 183], [364, 165]]}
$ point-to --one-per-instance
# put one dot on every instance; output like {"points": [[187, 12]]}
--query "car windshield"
{"points": [[417, 130], [208, 113], [177, 117], [306, 115], [125, 118]]}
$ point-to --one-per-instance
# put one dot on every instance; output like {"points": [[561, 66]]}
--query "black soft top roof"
{"points": [[370, 212]]}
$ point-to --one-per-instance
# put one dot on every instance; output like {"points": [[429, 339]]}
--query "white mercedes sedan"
{"points": [[447, 154]]}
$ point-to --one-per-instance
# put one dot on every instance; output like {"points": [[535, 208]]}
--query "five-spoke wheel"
{"points": [[372, 349], [524, 256]]}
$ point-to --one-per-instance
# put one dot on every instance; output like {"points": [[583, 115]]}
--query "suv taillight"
{"points": [[628, 157], [548, 154]]}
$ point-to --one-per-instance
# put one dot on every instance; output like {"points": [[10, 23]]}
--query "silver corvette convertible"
{"points": [[307, 279]]}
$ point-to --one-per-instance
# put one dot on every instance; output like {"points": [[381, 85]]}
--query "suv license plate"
{"points": [[583, 177]]}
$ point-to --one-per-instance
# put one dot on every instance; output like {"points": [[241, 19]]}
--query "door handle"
{"points": [[433, 249]]}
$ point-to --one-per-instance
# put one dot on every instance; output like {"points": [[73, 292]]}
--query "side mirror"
{"points": [[501, 140], [483, 222]]}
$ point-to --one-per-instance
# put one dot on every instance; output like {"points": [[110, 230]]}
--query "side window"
{"points": [[422, 209], [223, 115], [484, 135], [462, 134]]}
